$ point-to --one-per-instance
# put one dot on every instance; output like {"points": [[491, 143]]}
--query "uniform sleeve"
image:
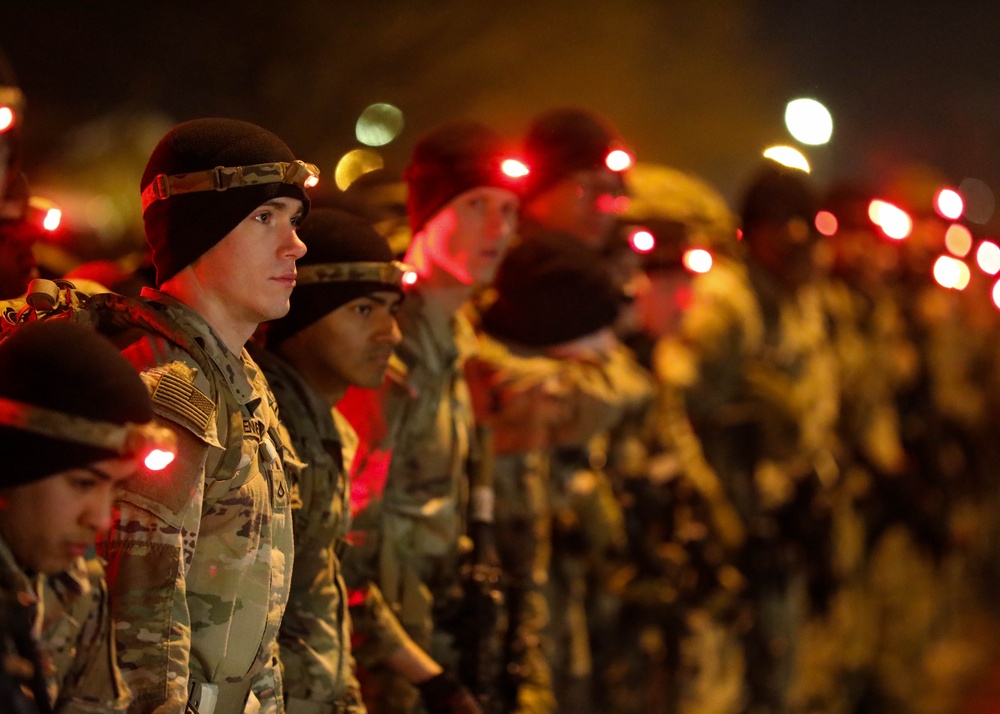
{"points": [[542, 401], [148, 552], [94, 682], [315, 632], [377, 632]]}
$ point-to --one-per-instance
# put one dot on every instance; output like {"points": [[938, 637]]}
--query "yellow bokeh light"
{"points": [[808, 121], [951, 273], [787, 156], [379, 124], [958, 240], [355, 164]]}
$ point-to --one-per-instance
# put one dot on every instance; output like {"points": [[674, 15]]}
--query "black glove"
{"points": [[443, 694]]}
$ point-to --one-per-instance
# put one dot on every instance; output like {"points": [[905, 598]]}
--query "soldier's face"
{"points": [[582, 205], [470, 235], [49, 523], [251, 272], [661, 306], [350, 346]]}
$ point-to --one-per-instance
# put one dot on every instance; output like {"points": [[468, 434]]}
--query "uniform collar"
{"points": [[239, 371]]}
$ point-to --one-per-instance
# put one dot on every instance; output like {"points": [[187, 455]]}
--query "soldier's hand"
{"points": [[443, 694]]}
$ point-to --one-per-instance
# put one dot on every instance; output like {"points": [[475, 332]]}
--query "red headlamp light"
{"points": [[156, 446]]}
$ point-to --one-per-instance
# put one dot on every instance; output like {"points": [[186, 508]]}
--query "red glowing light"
{"points": [[514, 168], [409, 277], [53, 217], [606, 203], [618, 160], [893, 221], [642, 241], [158, 459], [622, 203], [697, 260], [826, 223], [6, 118], [949, 204]]}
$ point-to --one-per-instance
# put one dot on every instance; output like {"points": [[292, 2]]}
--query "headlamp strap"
{"points": [[390, 273], [125, 439], [222, 178]]}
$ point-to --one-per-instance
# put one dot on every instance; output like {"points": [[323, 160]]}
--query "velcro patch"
{"points": [[183, 400]]}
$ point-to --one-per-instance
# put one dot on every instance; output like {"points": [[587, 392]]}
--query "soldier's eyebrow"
{"points": [[383, 301], [98, 473]]}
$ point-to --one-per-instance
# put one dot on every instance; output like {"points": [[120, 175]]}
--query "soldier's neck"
{"points": [[227, 322]]}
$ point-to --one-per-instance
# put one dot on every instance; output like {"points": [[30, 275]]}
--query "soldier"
{"points": [[548, 341], [682, 593], [577, 165], [75, 424], [571, 197], [199, 559], [415, 523], [339, 332], [759, 381]]}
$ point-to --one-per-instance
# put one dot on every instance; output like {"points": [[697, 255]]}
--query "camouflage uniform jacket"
{"points": [[199, 556], [750, 355], [71, 622], [316, 660], [408, 529]]}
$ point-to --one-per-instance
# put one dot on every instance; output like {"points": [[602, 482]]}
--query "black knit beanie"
{"points": [[550, 292], [332, 236], [563, 141], [181, 228], [450, 160], [776, 195], [68, 368]]}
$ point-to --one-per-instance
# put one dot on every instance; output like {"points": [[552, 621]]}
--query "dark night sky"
{"points": [[698, 86]]}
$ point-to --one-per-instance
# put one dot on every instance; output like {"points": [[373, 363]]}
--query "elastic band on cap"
{"points": [[125, 439], [390, 274], [222, 178]]}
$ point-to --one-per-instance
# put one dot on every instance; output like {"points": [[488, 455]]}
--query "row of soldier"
{"points": [[539, 465]]}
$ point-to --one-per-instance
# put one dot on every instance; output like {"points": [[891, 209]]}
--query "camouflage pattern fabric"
{"points": [[761, 386], [410, 530], [200, 555], [534, 402], [72, 626], [316, 660]]}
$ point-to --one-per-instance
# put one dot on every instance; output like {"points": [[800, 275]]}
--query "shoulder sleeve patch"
{"points": [[175, 397]]}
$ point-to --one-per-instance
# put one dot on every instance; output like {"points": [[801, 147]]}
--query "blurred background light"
{"points": [[808, 121], [379, 124], [958, 240], [979, 200], [826, 223], [988, 257], [355, 164], [787, 156], [949, 204]]}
